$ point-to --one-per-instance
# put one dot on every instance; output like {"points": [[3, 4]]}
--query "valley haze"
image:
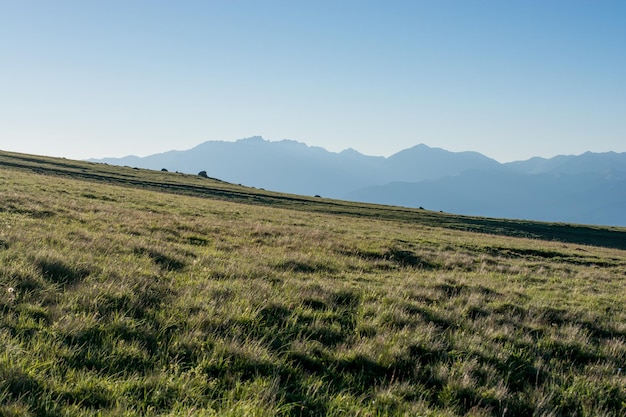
{"points": [[587, 189]]}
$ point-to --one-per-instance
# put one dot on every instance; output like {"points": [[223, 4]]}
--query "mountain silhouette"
{"points": [[588, 188], [573, 198], [286, 165], [588, 162], [422, 163]]}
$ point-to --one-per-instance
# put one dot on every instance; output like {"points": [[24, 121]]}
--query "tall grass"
{"points": [[124, 301]]}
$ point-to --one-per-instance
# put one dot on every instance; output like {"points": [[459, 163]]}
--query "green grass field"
{"points": [[134, 292]]}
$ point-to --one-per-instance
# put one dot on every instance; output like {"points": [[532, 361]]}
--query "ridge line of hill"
{"points": [[614, 237]]}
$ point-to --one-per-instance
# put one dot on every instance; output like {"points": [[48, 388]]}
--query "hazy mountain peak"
{"points": [[283, 143], [293, 143], [350, 152], [252, 140]]}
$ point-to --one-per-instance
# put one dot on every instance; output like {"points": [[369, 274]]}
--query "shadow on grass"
{"points": [[552, 255], [58, 272], [452, 289], [129, 332], [16, 383], [395, 256], [304, 266], [164, 261], [419, 364], [282, 327]]}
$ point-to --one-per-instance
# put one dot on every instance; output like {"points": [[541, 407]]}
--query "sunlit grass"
{"points": [[126, 301]]}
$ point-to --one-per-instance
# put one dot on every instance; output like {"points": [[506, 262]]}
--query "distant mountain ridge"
{"points": [[295, 167], [588, 188], [586, 163]]}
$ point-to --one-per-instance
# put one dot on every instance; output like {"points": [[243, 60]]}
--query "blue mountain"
{"points": [[588, 188]]}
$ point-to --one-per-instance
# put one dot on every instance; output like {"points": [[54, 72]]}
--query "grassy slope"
{"points": [[195, 186], [128, 300]]}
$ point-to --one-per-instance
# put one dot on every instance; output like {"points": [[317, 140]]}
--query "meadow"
{"points": [[130, 292]]}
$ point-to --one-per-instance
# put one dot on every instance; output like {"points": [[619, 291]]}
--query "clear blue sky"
{"points": [[510, 79]]}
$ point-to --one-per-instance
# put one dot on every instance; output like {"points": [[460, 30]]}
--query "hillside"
{"points": [[135, 292], [193, 185]]}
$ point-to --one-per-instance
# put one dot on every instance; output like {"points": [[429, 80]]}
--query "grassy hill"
{"points": [[134, 292]]}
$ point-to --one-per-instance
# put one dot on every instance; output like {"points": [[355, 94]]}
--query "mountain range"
{"points": [[588, 188]]}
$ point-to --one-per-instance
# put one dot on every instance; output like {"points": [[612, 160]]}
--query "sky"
{"points": [[510, 79]]}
